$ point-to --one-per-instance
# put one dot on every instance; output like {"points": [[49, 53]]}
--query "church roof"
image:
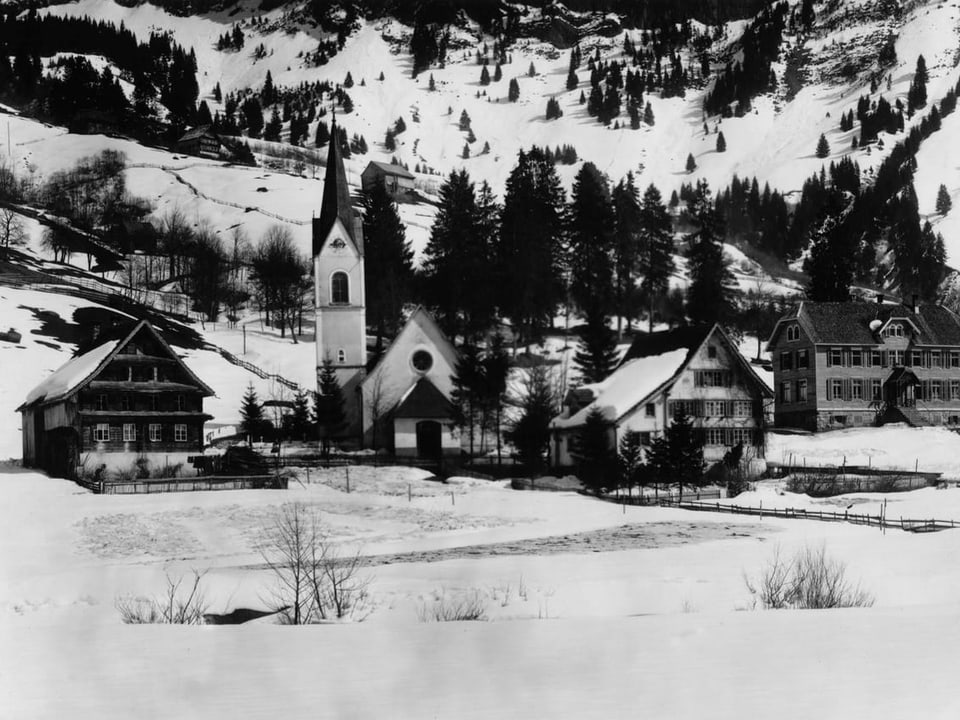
{"points": [[423, 400], [336, 202]]}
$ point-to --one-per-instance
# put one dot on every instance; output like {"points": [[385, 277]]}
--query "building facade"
{"points": [[397, 180], [128, 400], [839, 365], [695, 370]]}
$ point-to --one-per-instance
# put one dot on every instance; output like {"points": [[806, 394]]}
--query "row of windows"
{"points": [[126, 402], [867, 357], [799, 359], [712, 408], [793, 391], [127, 432], [871, 389], [713, 436], [713, 378]]}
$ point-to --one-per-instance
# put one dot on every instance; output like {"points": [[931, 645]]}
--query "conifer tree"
{"points": [[388, 262], [529, 432], [627, 251], [591, 243], [329, 405], [595, 456], [252, 423], [944, 203], [830, 263], [268, 94], [572, 79], [656, 242], [484, 76], [596, 355], [497, 73], [721, 143], [348, 80], [323, 134], [299, 425], [677, 455], [513, 93], [468, 390], [273, 127], [531, 71], [648, 115], [630, 460], [691, 163], [432, 85], [711, 289], [823, 147]]}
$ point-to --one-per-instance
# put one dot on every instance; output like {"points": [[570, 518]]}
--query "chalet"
{"points": [[201, 141], [859, 363], [397, 180], [696, 370], [406, 398], [125, 399]]}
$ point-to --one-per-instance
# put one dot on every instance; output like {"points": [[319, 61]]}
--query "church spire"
{"points": [[336, 196]]}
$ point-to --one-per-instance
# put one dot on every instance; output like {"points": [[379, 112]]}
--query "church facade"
{"points": [[404, 404]]}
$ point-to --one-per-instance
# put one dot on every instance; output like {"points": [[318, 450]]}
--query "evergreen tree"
{"points": [[513, 93], [530, 260], [656, 243], [252, 422], [677, 455], [830, 264], [496, 372], [299, 425], [389, 262], [648, 119], [329, 405], [572, 80], [823, 147], [944, 203], [497, 73], [721, 143], [596, 355], [484, 76], [468, 391], [432, 86], [529, 433], [323, 134], [252, 113], [591, 243], [268, 95], [627, 251], [273, 128], [531, 71], [691, 163], [630, 460], [917, 95], [458, 262], [711, 289], [348, 80], [465, 153], [595, 456]]}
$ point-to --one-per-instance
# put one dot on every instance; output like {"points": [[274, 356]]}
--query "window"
{"points": [[651, 410], [711, 351], [801, 390], [803, 359], [341, 356], [876, 358], [894, 330], [856, 357], [786, 392], [936, 359], [101, 403], [154, 403], [422, 361], [340, 289], [793, 332], [934, 390], [742, 408], [685, 407], [125, 403], [645, 438], [856, 390], [836, 356], [155, 432], [896, 358], [875, 389], [711, 378], [101, 432], [839, 419], [740, 435], [916, 358], [181, 403], [180, 432], [714, 436], [714, 408], [129, 432], [786, 361], [955, 389], [835, 390]]}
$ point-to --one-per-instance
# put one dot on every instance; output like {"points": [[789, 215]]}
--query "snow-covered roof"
{"points": [[73, 373], [630, 384], [390, 169]]}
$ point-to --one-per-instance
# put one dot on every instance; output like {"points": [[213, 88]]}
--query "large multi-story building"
{"points": [[858, 363]]}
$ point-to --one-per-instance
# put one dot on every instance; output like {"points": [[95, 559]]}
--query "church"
{"points": [[404, 403]]}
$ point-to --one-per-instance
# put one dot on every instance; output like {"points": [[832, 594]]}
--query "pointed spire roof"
{"points": [[336, 196]]}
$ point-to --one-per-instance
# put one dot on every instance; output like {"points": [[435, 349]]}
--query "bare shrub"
{"points": [[453, 608], [810, 580], [314, 581], [179, 605]]}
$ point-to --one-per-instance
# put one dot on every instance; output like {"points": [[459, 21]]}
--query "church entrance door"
{"points": [[428, 439]]}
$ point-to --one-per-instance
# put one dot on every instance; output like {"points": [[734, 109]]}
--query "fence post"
{"points": [[347, 469]]}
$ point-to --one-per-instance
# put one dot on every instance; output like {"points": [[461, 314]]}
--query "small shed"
{"points": [[396, 179]]}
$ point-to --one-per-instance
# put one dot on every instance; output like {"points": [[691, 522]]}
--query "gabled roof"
{"points": [[848, 323], [199, 131], [420, 316], [390, 169], [77, 372], [336, 204], [423, 400], [651, 365]]}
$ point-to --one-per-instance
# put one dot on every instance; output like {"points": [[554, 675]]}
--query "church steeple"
{"points": [[336, 198]]}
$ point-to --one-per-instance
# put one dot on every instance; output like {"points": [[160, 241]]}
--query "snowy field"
{"points": [[592, 611]]}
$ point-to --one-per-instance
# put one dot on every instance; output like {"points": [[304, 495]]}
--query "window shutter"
{"points": [[847, 385], [829, 358], [829, 393]]}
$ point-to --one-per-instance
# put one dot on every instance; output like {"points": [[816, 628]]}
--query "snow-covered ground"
{"points": [[593, 610]]}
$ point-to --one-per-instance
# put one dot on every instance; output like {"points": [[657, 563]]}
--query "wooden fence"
{"points": [[188, 484], [259, 372], [665, 497], [373, 459]]}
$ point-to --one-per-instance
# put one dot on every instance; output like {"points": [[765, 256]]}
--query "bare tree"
{"points": [[174, 607], [55, 240], [376, 406], [12, 231], [175, 237], [279, 272]]}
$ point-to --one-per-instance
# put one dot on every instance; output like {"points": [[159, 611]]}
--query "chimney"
{"points": [[879, 298], [916, 304]]}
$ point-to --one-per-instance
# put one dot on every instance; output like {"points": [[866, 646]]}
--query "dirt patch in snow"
{"points": [[125, 535]]}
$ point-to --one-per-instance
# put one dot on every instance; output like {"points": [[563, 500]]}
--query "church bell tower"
{"points": [[339, 300]]}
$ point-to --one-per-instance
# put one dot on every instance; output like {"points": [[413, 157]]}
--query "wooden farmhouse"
{"points": [[696, 370], [201, 141], [838, 365], [397, 180], [128, 399]]}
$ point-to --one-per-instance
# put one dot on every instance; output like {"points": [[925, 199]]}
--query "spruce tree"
{"points": [[630, 460], [656, 243], [513, 93], [627, 251], [830, 264], [389, 262], [721, 143], [531, 71], [299, 425], [329, 405], [711, 289], [497, 73], [591, 243], [348, 80], [273, 127], [529, 432], [596, 356], [484, 76], [648, 115], [323, 134], [677, 455], [468, 391], [823, 147], [691, 163], [944, 203], [252, 424], [595, 456]]}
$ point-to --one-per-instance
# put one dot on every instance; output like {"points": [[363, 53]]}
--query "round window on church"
{"points": [[422, 361]]}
